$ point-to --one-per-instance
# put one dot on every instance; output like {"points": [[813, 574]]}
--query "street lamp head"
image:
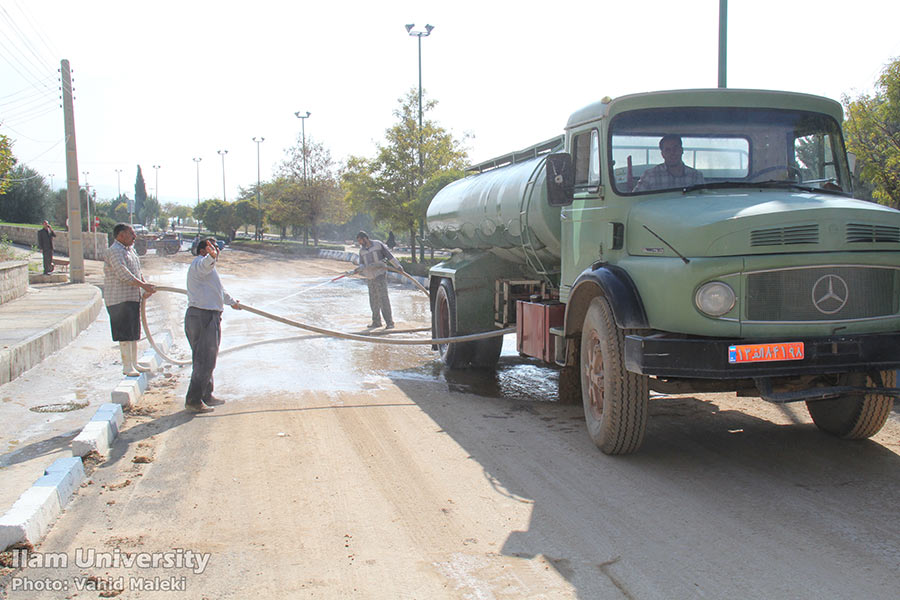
{"points": [[222, 152], [262, 139], [409, 27], [299, 116], [428, 29], [197, 160]]}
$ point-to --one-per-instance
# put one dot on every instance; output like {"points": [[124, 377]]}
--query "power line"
{"points": [[40, 35], [42, 62]]}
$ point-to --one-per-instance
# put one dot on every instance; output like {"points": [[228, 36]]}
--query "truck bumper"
{"points": [[667, 355]]}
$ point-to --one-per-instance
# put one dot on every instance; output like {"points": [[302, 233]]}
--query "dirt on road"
{"points": [[338, 470]]}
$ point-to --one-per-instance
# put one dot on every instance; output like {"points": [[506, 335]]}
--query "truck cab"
{"points": [[708, 240]]}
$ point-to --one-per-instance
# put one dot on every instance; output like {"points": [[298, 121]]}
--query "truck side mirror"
{"points": [[560, 179]]}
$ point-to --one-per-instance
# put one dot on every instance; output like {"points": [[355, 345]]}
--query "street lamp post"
{"points": [[156, 169], [197, 160], [258, 141], [87, 197], [51, 182], [303, 129], [119, 188], [420, 35], [222, 153]]}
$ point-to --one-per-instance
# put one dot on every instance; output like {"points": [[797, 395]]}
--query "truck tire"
{"points": [[140, 246], [854, 417], [443, 324], [616, 401], [172, 247]]}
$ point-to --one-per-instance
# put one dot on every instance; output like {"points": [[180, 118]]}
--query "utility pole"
{"points": [[222, 153], [51, 182], [723, 42], [259, 234], [73, 200], [197, 160]]}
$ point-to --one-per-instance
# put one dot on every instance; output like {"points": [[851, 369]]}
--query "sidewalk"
{"points": [[45, 319]]}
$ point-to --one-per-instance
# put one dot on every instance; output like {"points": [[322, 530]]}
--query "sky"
{"points": [[164, 82]]}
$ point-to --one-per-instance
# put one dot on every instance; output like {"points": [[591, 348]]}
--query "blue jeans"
{"points": [[203, 329]]}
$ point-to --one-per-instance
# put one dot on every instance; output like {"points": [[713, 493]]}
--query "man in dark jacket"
{"points": [[45, 243]]}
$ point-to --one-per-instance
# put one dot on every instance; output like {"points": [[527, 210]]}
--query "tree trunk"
{"points": [[412, 242]]}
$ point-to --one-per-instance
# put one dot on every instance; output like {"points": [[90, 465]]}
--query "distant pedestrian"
{"points": [[372, 254], [122, 285], [203, 324], [45, 243], [391, 241]]}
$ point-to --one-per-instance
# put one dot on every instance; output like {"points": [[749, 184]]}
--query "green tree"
{"points": [[285, 208], [7, 162], [140, 197], [217, 215], [389, 185], [872, 129], [27, 200], [319, 197], [151, 210], [245, 213]]}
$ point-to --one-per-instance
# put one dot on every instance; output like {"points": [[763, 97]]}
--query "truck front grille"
{"points": [[785, 236], [862, 233], [834, 293]]}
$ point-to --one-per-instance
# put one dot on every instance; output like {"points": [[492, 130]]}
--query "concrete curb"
{"points": [[17, 360], [31, 516], [99, 433]]}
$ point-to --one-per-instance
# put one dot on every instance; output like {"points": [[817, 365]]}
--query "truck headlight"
{"points": [[714, 298]]}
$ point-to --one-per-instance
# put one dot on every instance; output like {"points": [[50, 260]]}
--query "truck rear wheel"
{"points": [[486, 353], [443, 324], [854, 417], [615, 401], [140, 246]]}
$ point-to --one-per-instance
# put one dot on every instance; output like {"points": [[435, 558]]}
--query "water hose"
{"points": [[331, 333]]}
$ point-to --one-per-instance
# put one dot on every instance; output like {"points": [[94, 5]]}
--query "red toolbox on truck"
{"points": [[533, 323]]}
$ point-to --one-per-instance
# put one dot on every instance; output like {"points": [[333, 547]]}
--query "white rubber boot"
{"points": [[140, 367], [127, 352]]}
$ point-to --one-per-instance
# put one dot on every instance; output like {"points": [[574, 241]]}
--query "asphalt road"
{"points": [[344, 470]]}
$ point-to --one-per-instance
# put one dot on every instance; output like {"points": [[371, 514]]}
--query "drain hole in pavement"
{"points": [[58, 407]]}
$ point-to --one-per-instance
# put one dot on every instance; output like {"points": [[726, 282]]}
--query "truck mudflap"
{"points": [[668, 355]]}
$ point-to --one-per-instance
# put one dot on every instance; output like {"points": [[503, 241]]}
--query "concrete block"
{"points": [[142, 382], [126, 393], [111, 412], [64, 475], [30, 517], [95, 437], [151, 360]]}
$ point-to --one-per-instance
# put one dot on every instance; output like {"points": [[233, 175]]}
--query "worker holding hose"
{"points": [[372, 254], [203, 324]]}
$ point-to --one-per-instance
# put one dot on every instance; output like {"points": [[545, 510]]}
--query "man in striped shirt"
{"points": [[372, 254], [122, 285]]}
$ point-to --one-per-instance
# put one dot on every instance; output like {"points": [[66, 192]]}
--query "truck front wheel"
{"points": [[854, 417], [615, 401], [443, 325]]}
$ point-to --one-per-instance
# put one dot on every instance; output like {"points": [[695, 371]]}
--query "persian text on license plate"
{"points": [[765, 352]]}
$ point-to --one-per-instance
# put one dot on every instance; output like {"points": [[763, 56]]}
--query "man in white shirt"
{"points": [[203, 324]]}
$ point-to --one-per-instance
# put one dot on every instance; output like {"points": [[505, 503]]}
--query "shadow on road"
{"points": [[715, 502]]}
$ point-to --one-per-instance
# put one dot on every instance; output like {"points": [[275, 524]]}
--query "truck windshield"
{"points": [[677, 148]]}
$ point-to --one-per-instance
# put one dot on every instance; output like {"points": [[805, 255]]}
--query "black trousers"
{"points": [[203, 329], [48, 260]]}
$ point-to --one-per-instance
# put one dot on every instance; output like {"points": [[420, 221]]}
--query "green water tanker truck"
{"points": [[679, 242]]}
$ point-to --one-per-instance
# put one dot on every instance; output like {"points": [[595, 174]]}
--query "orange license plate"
{"points": [[765, 352]]}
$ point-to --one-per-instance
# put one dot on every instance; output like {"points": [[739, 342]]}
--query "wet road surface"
{"points": [[338, 470]]}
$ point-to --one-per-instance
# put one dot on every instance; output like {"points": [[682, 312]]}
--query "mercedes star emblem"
{"points": [[829, 294]]}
